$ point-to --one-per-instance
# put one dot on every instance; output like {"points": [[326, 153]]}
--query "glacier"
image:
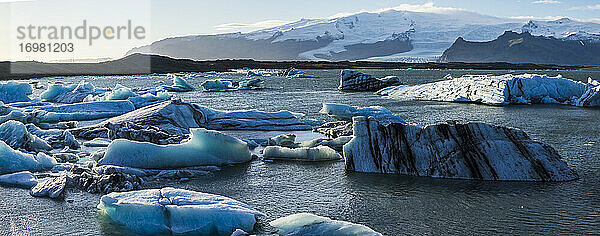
{"points": [[310, 224], [203, 148], [502, 90], [452, 150], [178, 211]]}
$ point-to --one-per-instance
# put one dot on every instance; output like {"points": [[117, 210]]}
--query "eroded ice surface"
{"points": [[502, 90], [309, 224], [80, 111], [452, 150], [177, 211], [204, 148], [15, 92], [12, 160]]}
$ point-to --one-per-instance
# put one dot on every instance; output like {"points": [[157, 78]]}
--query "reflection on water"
{"points": [[387, 203]]}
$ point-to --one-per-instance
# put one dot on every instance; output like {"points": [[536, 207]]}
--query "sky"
{"points": [[161, 18]]}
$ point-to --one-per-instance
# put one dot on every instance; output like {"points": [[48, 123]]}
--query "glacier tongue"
{"points": [[462, 151], [501, 90]]}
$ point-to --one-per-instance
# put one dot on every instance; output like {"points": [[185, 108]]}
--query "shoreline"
{"points": [[137, 64]]}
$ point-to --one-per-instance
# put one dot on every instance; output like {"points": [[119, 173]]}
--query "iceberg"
{"points": [[12, 160], [335, 129], [321, 153], [52, 187], [284, 140], [358, 81], [120, 92], [177, 211], [23, 179], [336, 144], [97, 142], [502, 90], [79, 111], [179, 85], [452, 150], [55, 137], [250, 84], [73, 93], [345, 112], [309, 224], [203, 148], [15, 92], [15, 134], [217, 85], [170, 121]]}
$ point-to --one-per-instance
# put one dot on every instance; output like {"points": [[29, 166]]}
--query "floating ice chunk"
{"points": [[250, 84], [179, 85], [149, 98], [55, 137], [15, 92], [204, 148], [69, 93], [97, 142], [12, 160], [239, 232], [23, 179], [81, 111], [321, 153], [46, 162], [217, 85], [501, 90], [15, 134], [170, 121], [52, 187], [336, 144], [284, 140], [345, 112], [120, 92], [176, 211], [309, 224], [357, 81], [452, 150]]}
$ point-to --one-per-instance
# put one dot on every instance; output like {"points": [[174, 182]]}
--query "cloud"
{"points": [[3, 1], [426, 7], [546, 2], [244, 27], [590, 7]]}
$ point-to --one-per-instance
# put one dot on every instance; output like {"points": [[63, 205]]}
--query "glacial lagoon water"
{"points": [[391, 204]]}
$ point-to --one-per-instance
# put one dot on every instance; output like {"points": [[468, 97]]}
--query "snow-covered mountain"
{"points": [[388, 35]]}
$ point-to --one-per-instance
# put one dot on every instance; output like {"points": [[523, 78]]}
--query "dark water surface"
{"points": [[389, 204]]}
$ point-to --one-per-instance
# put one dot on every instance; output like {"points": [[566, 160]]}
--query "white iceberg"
{"points": [[321, 153], [179, 85], [217, 85], [203, 148], [345, 112], [177, 211], [23, 179], [309, 224], [12, 160], [250, 84], [501, 90], [15, 92]]}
